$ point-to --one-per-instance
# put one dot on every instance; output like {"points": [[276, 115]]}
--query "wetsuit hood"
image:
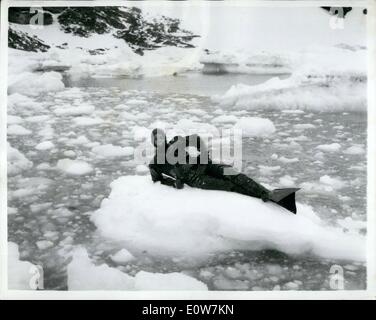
{"points": [[154, 135]]}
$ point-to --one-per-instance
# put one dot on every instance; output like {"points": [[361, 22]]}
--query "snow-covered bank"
{"points": [[83, 274], [83, 50], [157, 219]]}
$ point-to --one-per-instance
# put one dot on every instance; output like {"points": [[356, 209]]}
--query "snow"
{"points": [[255, 127], [83, 274], [333, 147], [74, 167], [17, 162], [111, 151], [135, 214], [19, 275]]}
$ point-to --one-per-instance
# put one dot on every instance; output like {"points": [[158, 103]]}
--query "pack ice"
{"points": [[193, 222]]}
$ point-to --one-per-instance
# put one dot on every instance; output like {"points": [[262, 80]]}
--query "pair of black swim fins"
{"points": [[285, 198]]}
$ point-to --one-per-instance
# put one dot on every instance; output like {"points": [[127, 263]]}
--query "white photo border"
{"points": [[368, 293]]}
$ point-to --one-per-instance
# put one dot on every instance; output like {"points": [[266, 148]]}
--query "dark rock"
{"points": [[341, 12], [22, 41], [126, 23], [22, 15]]}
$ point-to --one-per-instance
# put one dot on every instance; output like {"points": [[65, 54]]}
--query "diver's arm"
{"points": [[155, 175], [201, 146], [165, 179]]}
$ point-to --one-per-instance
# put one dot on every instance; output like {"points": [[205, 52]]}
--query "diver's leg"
{"points": [[251, 187], [211, 183]]}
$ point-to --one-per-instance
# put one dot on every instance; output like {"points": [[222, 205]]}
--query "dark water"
{"points": [[192, 83]]}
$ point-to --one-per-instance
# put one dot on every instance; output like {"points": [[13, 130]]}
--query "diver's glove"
{"points": [[265, 196], [179, 184]]}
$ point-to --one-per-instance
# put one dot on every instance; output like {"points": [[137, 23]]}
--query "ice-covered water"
{"points": [[50, 209]]}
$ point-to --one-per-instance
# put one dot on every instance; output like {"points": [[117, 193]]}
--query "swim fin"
{"points": [[285, 198]]}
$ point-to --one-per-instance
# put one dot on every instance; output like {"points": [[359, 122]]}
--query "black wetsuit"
{"points": [[201, 174]]}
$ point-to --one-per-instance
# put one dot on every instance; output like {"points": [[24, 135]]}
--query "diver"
{"points": [[174, 166]]}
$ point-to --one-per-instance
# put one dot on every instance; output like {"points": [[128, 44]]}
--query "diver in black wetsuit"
{"points": [[201, 172], [196, 172]]}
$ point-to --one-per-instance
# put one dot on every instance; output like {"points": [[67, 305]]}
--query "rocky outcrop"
{"points": [[127, 23], [24, 15], [22, 41]]}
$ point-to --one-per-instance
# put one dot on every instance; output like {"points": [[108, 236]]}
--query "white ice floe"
{"points": [[32, 84], [17, 130], [324, 91], [142, 169], [44, 244], [255, 127], [286, 181], [288, 160], [333, 147], [45, 145], [74, 167], [83, 274], [185, 127], [14, 119], [335, 183], [353, 150], [267, 170], [19, 272], [87, 121], [17, 162], [197, 222], [77, 110], [122, 256], [352, 225], [225, 119], [304, 126], [111, 151]]}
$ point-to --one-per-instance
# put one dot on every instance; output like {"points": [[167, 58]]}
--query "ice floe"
{"points": [[83, 274], [74, 167], [166, 221]]}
